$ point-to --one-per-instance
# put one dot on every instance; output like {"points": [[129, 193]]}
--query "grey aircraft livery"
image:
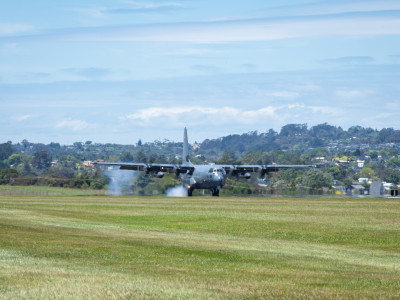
{"points": [[193, 177]]}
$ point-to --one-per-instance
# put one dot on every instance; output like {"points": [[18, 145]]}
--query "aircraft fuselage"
{"points": [[210, 177]]}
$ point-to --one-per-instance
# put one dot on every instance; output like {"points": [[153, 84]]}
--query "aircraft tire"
{"points": [[215, 192]]}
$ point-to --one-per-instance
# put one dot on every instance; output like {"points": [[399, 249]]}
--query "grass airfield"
{"points": [[91, 247]]}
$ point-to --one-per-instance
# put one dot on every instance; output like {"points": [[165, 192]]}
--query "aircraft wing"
{"points": [[274, 168], [263, 169], [145, 167]]}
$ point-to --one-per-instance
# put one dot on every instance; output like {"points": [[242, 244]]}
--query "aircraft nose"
{"points": [[218, 177]]}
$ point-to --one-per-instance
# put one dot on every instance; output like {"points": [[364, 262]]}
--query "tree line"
{"points": [[340, 151]]}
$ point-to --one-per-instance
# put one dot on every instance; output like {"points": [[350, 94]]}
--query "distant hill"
{"points": [[296, 137], [300, 137]]}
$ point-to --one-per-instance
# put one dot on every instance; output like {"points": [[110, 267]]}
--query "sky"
{"points": [[117, 71]]}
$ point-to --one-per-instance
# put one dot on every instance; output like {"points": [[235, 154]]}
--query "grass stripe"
{"points": [[67, 247]]}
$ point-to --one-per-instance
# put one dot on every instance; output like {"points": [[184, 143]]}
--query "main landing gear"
{"points": [[214, 191], [190, 191]]}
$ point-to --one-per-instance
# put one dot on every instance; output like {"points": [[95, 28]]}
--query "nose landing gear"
{"points": [[215, 192]]}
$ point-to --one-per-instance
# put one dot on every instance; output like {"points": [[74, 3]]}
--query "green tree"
{"points": [[153, 157], [347, 182], [15, 159], [5, 151], [114, 158], [78, 145], [325, 131], [292, 129], [25, 143], [126, 157], [385, 133], [42, 160], [140, 185], [7, 176], [335, 171], [357, 152], [392, 176], [241, 188], [227, 158], [26, 170], [141, 157], [367, 172], [373, 154], [256, 157], [162, 159], [393, 162], [317, 179], [392, 151], [289, 175]]}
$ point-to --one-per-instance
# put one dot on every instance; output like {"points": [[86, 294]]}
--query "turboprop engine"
{"points": [[160, 174], [246, 175]]}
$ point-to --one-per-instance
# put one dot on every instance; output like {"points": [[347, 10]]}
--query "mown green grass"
{"points": [[61, 247], [8, 190]]}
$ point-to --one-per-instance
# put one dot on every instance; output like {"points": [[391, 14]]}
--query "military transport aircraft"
{"points": [[210, 177]]}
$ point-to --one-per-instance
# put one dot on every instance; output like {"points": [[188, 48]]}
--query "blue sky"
{"points": [[122, 70]]}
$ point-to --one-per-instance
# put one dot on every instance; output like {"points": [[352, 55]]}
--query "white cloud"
{"points": [[326, 110], [14, 28], [253, 30], [192, 52], [296, 105], [283, 94], [393, 106], [179, 113], [94, 12], [134, 8], [9, 46], [307, 88], [263, 29], [352, 94], [197, 115], [338, 6], [140, 5], [381, 119], [24, 117], [75, 125]]}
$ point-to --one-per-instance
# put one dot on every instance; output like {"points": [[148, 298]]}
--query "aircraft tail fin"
{"points": [[185, 154]]}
